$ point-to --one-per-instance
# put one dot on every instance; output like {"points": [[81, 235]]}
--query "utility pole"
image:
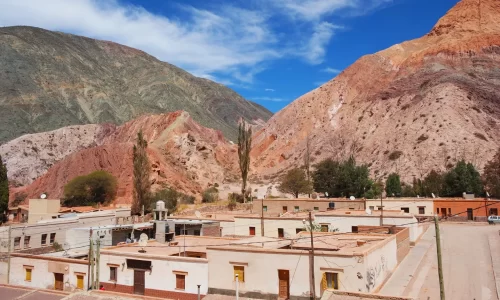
{"points": [[90, 258], [8, 254], [440, 264], [311, 261], [262, 218], [237, 287], [382, 209], [184, 239], [142, 214], [97, 262]]}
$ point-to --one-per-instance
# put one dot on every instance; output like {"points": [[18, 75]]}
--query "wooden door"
{"points": [[252, 230], [470, 215], [59, 281], [139, 282], [443, 212], [284, 284]]}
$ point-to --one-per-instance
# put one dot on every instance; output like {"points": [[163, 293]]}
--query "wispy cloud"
{"points": [[272, 99], [331, 70], [270, 90], [315, 51], [319, 83]]}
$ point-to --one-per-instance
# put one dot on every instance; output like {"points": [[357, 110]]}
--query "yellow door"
{"points": [[79, 282], [28, 275]]}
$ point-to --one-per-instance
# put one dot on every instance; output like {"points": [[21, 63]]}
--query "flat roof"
{"points": [[346, 243], [191, 221], [362, 213], [311, 200], [191, 243], [122, 226]]}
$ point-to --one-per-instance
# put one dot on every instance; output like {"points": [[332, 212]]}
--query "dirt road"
{"points": [[467, 265]]}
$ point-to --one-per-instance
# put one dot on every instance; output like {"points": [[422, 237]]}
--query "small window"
{"points": [[52, 238], [332, 280], [79, 282], [281, 233], [449, 211], [197, 232], [437, 210], [405, 209], [44, 239], [297, 230], [26, 241], [324, 227], [17, 242], [296, 209], [113, 272], [493, 211], [240, 271], [28, 274], [421, 210], [354, 229], [285, 209], [371, 207], [252, 230], [180, 282], [264, 208], [316, 208]]}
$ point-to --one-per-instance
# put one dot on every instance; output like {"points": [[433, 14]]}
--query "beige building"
{"points": [[347, 262], [276, 207], [414, 206], [286, 226], [43, 209]]}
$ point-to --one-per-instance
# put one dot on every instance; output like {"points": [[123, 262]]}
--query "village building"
{"points": [[420, 207], [286, 226], [342, 261], [273, 207], [460, 209]]}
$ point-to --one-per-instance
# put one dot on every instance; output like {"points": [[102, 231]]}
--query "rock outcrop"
{"points": [[183, 155], [416, 106], [49, 80]]}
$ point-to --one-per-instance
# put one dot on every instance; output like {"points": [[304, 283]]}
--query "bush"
{"points": [[96, 187], [236, 197], [186, 199], [210, 195], [295, 183], [395, 155], [170, 196]]}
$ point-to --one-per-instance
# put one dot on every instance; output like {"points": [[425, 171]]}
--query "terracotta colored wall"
{"points": [[461, 206]]}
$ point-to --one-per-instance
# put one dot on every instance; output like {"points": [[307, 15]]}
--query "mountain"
{"points": [[183, 155], [49, 80], [416, 106]]}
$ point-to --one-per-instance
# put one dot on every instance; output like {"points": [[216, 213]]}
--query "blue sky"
{"points": [[269, 51]]}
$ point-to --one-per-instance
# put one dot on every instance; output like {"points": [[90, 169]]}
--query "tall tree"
{"points": [[463, 178], [4, 190], [244, 147], [433, 184], [295, 182], [96, 187], [492, 176], [393, 185], [142, 171]]}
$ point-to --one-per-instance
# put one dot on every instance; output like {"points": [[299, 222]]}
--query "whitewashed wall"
{"points": [[242, 225]]}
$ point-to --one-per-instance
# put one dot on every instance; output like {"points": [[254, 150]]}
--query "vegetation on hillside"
{"points": [[142, 171], [295, 182], [492, 176], [96, 187], [172, 199], [244, 148], [4, 191]]}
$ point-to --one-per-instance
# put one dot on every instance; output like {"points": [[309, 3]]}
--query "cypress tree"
{"points": [[142, 171], [4, 190], [244, 147]]}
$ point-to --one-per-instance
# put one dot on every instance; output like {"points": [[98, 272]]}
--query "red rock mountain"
{"points": [[416, 106], [183, 155]]}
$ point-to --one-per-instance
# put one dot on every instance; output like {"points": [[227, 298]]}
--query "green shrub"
{"points": [[96, 187], [210, 195]]}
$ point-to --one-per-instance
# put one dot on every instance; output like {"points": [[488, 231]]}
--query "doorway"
{"points": [[470, 215], [443, 212], [284, 284], [58, 281], [139, 282]]}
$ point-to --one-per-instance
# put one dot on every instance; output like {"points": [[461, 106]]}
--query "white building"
{"points": [[414, 206], [286, 226]]}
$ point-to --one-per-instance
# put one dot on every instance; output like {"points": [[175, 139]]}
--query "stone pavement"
{"points": [[404, 273]]}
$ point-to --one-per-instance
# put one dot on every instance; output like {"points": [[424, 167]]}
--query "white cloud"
{"points": [[331, 70], [230, 40], [272, 99], [270, 90], [315, 50], [319, 83]]}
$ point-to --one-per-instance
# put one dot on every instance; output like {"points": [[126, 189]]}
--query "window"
{"points": [[371, 207], [324, 227], [79, 281], [197, 232], [297, 230], [240, 271], [296, 209], [17, 242], [437, 210], [27, 241], [285, 209], [354, 229], [264, 208], [28, 271], [405, 209], [449, 211], [332, 280], [493, 211], [252, 230], [52, 238], [113, 272], [44, 239], [421, 210], [180, 281], [281, 233]]}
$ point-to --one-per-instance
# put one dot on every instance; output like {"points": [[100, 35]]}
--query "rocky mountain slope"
{"points": [[416, 106], [183, 155], [49, 80]]}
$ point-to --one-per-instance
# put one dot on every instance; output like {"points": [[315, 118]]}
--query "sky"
{"points": [[269, 51]]}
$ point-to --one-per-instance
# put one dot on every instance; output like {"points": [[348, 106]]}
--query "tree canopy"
{"points": [[462, 178], [4, 190], [342, 179], [295, 182], [393, 185], [142, 171], [244, 148], [96, 187], [491, 176]]}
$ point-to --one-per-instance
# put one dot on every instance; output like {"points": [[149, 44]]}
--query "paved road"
{"points": [[467, 265]]}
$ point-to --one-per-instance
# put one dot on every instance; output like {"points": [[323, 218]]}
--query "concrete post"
{"points": [[237, 287], [199, 291]]}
